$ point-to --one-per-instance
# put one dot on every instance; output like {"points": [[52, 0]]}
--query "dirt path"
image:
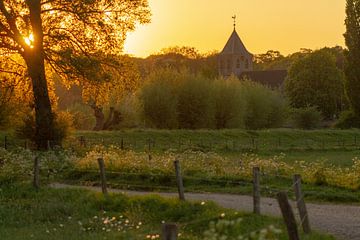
{"points": [[343, 221]]}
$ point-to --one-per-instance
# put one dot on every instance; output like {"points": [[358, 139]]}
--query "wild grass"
{"points": [[78, 214]]}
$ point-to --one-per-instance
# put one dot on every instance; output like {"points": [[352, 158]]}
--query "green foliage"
{"points": [[352, 40], [306, 118], [265, 108], [348, 119], [159, 98], [130, 110], [229, 103], [83, 116], [194, 103], [63, 125], [173, 99], [316, 81]]}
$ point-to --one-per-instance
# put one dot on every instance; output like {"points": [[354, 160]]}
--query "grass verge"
{"points": [[78, 214]]}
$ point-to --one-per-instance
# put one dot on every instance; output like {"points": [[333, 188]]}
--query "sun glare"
{"points": [[29, 40]]}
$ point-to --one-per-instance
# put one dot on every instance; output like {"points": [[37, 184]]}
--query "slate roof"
{"points": [[235, 46], [272, 78]]}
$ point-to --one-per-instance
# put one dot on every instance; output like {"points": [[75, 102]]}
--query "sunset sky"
{"points": [[284, 25]]}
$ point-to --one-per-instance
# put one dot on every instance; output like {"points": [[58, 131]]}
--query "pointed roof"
{"points": [[235, 46]]}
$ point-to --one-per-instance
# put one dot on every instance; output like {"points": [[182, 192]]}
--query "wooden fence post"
{"points": [[122, 144], [288, 216], [256, 189], [300, 202], [82, 141], [102, 176], [36, 180], [279, 142], [179, 180], [149, 149], [253, 143], [355, 140], [5, 142], [169, 231]]}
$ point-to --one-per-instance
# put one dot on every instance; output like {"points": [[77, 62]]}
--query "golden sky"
{"points": [[284, 25]]}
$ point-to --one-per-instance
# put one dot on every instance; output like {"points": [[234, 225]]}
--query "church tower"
{"points": [[234, 58]]}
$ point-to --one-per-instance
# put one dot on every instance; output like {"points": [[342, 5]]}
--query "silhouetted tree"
{"points": [[316, 81], [68, 36], [352, 39]]}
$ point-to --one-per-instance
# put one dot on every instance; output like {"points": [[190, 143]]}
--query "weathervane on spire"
{"points": [[234, 18]]}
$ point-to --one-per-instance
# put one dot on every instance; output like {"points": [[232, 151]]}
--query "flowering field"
{"points": [[212, 165], [202, 171]]}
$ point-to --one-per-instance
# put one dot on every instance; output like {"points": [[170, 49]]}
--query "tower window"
{"points": [[247, 64], [242, 58]]}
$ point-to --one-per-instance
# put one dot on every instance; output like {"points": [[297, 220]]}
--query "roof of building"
{"points": [[235, 46], [270, 78]]}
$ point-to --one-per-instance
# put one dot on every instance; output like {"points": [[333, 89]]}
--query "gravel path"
{"points": [[343, 221]]}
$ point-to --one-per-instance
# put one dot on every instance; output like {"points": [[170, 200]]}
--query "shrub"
{"points": [[229, 103], [306, 118], [130, 109], [83, 116], [183, 100], [159, 103], [348, 119], [194, 103], [63, 124], [265, 108]]}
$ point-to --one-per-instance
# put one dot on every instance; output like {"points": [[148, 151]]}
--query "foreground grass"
{"points": [[78, 214]]}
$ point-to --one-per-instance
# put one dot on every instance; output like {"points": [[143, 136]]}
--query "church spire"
{"points": [[234, 18]]}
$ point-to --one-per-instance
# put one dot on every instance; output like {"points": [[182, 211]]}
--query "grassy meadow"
{"points": [[78, 214], [217, 161], [336, 147]]}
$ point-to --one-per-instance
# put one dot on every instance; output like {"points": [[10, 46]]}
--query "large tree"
{"points": [[352, 39], [66, 36], [316, 81]]}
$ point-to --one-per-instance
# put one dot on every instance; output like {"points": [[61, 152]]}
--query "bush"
{"points": [[348, 119], [159, 99], [83, 116], [63, 124], [265, 108], [307, 118], [229, 103], [194, 103], [130, 109], [184, 100]]}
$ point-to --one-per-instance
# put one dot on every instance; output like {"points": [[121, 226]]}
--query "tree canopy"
{"points": [[352, 39], [72, 38], [316, 81]]}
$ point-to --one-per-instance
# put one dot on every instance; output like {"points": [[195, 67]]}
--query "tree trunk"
{"points": [[99, 116], [34, 58], [43, 113], [108, 122]]}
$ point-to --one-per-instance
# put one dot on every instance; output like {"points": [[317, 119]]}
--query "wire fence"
{"points": [[294, 187], [175, 181], [243, 144]]}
